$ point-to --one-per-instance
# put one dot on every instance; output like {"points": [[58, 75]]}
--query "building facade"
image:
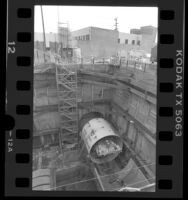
{"points": [[129, 39], [149, 34], [102, 43], [154, 54], [128, 42], [96, 42]]}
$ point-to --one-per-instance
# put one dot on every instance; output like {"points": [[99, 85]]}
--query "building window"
{"points": [[126, 41], [84, 38], [138, 42], [133, 42], [118, 40], [87, 37]]}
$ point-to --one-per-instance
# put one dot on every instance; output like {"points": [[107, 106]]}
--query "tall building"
{"points": [[148, 37]]}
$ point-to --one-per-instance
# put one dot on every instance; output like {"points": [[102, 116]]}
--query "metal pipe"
{"points": [[101, 141]]}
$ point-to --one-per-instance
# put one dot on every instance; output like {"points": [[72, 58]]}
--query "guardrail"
{"points": [[41, 57]]}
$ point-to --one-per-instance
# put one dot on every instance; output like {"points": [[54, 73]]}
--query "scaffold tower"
{"points": [[66, 80]]}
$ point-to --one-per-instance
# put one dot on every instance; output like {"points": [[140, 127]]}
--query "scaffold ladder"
{"points": [[66, 81]]}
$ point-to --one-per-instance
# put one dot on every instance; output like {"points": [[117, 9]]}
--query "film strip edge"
{"points": [[168, 85]]}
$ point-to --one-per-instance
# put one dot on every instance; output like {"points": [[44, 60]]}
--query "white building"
{"points": [[127, 38]]}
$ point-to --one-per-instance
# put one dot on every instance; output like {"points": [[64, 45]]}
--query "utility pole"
{"points": [[60, 35], [116, 24], [44, 46], [67, 35], [67, 41], [55, 44]]}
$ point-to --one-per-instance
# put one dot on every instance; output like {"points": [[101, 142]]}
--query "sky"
{"points": [[83, 16]]}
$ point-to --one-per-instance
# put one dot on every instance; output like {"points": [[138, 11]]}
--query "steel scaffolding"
{"points": [[66, 80]]}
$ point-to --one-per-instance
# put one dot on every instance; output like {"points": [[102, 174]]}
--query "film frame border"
{"points": [[18, 165]]}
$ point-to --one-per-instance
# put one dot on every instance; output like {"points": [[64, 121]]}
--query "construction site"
{"points": [[94, 117]]}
